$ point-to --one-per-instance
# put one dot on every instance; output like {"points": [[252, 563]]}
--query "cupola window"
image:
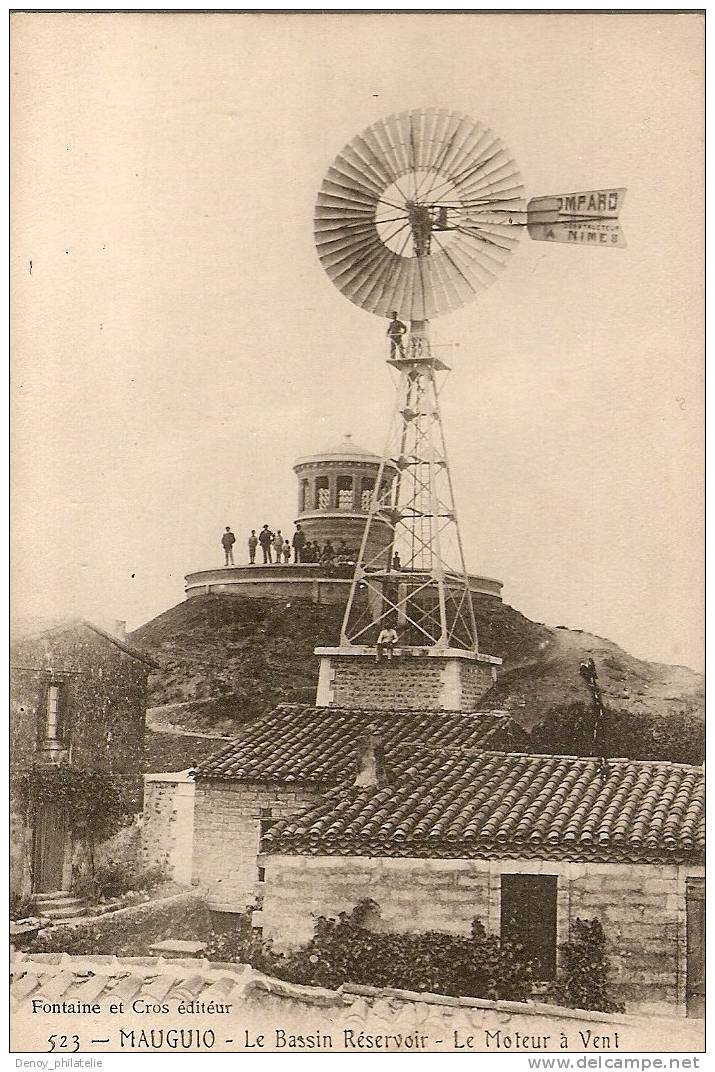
{"points": [[322, 493], [345, 493], [368, 485]]}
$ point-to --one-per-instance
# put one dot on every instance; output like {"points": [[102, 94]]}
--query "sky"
{"points": [[176, 344]]}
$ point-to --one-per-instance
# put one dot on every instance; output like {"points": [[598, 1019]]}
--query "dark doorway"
{"points": [[695, 928], [528, 917], [48, 849]]}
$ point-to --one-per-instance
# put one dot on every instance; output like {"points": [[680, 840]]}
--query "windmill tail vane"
{"points": [[589, 217]]}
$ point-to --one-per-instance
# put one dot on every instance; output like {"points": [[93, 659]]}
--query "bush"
{"points": [[584, 982], [116, 877], [234, 939], [678, 736], [343, 950], [21, 907]]}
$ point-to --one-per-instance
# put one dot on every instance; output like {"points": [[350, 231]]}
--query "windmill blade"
{"points": [[419, 213]]}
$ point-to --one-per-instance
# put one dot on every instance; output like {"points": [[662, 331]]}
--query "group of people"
{"points": [[274, 546], [277, 548]]}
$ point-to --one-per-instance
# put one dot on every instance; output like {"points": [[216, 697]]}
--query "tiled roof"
{"points": [[99, 977], [22, 630], [318, 744], [497, 804]]}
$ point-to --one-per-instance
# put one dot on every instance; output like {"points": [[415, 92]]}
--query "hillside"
{"points": [[225, 659]]}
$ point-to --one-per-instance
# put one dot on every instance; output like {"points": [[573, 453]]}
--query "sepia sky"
{"points": [[176, 343]]}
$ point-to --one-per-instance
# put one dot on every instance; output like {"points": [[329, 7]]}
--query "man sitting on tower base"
{"points": [[386, 643]]}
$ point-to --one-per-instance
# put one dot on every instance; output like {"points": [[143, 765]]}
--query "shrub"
{"points": [[21, 907], [584, 982], [568, 730], [235, 940], [343, 950], [115, 877]]}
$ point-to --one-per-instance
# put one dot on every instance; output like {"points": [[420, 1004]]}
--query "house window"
{"points": [[322, 493], [304, 493], [51, 727], [53, 713], [345, 493], [528, 917], [368, 485], [261, 874]]}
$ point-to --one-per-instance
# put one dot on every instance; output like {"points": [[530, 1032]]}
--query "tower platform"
{"points": [[308, 581], [335, 488]]}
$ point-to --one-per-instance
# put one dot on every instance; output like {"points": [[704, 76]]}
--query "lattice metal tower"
{"points": [[418, 581]]}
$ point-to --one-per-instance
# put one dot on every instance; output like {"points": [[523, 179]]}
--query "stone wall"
{"points": [[102, 710], [466, 683], [20, 844], [408, 682], [641, 907], [405, 684], [349, 527], [102, 701], [227, 823], [168, 824]]}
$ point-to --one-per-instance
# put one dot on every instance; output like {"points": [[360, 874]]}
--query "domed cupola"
{"points": [[334, 490]]}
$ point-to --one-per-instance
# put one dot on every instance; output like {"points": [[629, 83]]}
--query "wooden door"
{"points": [[528, 918], [695, 928], [49, 837]]}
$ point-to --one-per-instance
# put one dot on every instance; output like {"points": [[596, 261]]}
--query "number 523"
{"points": [[63, 1042]]}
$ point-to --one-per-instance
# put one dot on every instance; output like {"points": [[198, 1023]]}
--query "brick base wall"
{"points": [[641, 908], [227, 818], [402, 685], [424, 683]]}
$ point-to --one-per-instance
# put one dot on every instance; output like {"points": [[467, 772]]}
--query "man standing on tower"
{"points": [[265, 538], [298, 544], [395, 330], [228, 540]]}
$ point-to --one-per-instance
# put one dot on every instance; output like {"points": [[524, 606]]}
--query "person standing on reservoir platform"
{"points": [[228, 540]]}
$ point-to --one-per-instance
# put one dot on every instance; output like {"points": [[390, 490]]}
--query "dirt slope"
{"points": [[226, 659]]}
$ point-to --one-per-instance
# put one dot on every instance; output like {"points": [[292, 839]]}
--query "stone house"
{"points": [[451, 818], [78, 698], [525, 843], [285, 761]]}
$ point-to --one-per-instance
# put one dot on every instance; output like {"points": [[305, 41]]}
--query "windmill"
{"points": [[415, 217]]}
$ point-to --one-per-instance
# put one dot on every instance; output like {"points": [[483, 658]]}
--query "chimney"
{"points": [[120, 629], [371, 770]]}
